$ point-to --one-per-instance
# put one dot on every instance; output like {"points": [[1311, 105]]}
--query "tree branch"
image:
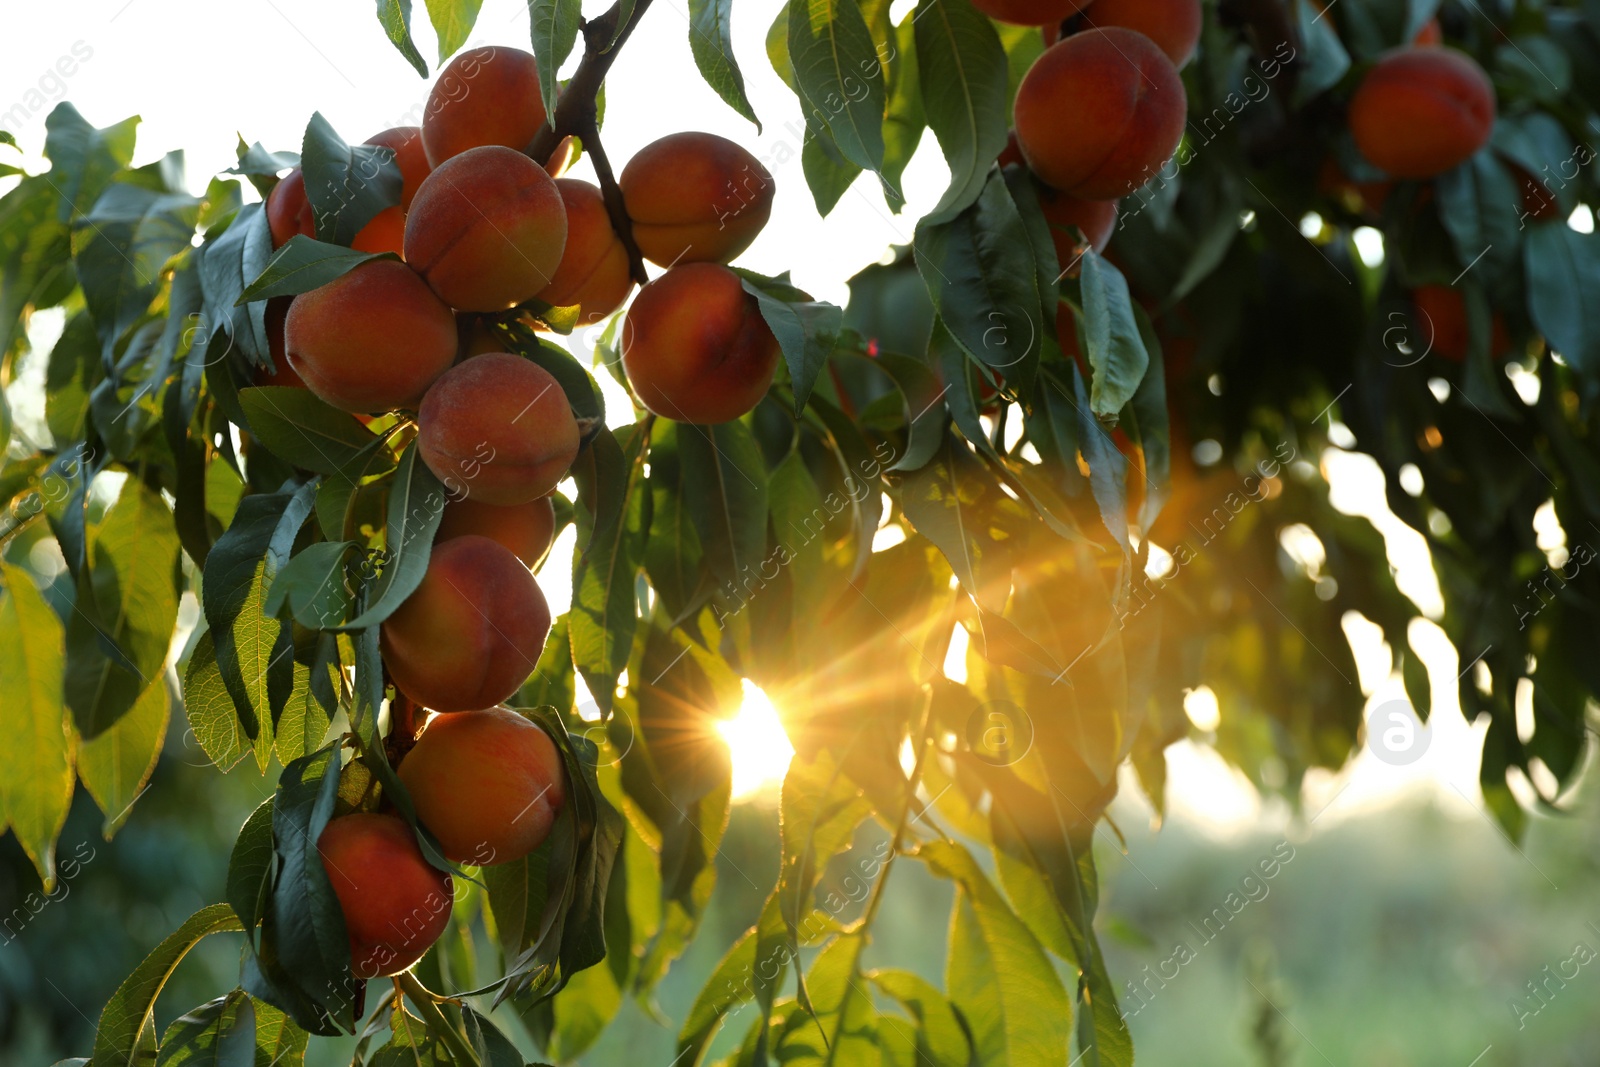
{"points": [[577, 114]]}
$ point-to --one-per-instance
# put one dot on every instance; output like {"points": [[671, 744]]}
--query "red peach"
{"points": [[484, 96], [395, 904]]}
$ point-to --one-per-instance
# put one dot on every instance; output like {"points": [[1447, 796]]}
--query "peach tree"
{"points": [[1185, 249]]}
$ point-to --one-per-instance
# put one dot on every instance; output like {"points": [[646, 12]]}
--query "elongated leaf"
{"points": [[117, 644], [961, 70], [116, 766], [452, 22], [120, 249], [1563, 269], [312, 588], [611, 527], [806, 329], [1480, 205], [554, 25], [905, 119], [416, 503], [711, 42], [1034, 1023], [209, 708], [395, 18], [36, 759], [126, 1033], [303, 430], [726, 491], [941, 1040], [346, 185], [219, 1033], [83, 159], [980, 271], [303, 264], [752, 969], [955, 502], [839, 76], [1114, 346], [249, 868]]}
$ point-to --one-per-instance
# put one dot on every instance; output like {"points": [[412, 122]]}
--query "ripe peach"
{"points": [[395, 904], [1031, 12], [1011, 153], [471, 633], [488, 784], [1441, 319], [370, 340], [1099, 113], [408, 156], [1430, 34], [695, 347], [281, 373], [1174, 25], [487, 229], [498, 429], [695, 197], [1096, 218], [594, 271], [484, 96], [1421, 111], [526, 529], [385, 233]]}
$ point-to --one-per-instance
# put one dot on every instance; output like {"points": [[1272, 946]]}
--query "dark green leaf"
{"points": [[416, 503], [839, 76], [83, 160], [346, 185], [806, 329], [304, 264], [305, 431], [220, 1033], [250, 868], [612, 521], [1114, 346], [725, 488], [1563, 272], [711, 41], [962, 73]]}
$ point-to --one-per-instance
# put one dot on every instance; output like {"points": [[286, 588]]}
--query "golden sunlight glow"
{"points": [[759, 748]]}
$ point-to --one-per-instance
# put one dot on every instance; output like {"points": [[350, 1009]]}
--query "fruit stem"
{"points": [[577, 114], [427, 1003]]}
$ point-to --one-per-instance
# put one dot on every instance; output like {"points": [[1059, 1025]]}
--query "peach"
{"points": [[695, 347], [1441, 319], [471, 633], [1099, 113], [484, 96], [409, 156], [385, 233], [594, 273], [1422, 111], [497, 429], [1095, 218], [486, 229], [395, 904], [1174, 25], [281, 373], [1430, 34], [1031, 12], [526, 529], [488, 784], [695, 197], [373, 339]]}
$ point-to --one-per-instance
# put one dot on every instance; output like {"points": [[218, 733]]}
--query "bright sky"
{"points": [[198, 71]]}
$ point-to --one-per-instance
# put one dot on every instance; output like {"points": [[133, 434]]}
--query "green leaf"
{"points": [[416, 503], [304, 264], [303, 922], [725, 488], [752, 969], [395, 18], [36, 759], [127, 602], [493, 1047], [613, 518], [794, 501], [1563, 272], [962, 73], [672, 555], [711, 42], [904, 118], [303, 725], [279, 1042], [980, 271], [83, 160], [227, 265], [209, 707], [116, 765], [312, 589], [925, 415], [1115, 348], [346, 185], [1480, 204], [806, 329], [120, 249], [219, 1033], [839, 76], [941, 1040], [554, 25], [955, 502], [126, 1033], [827, 177], [250, 867], [843, 1028], [304, 430], [1324, 60], [452, 23], [1025, 1015]]}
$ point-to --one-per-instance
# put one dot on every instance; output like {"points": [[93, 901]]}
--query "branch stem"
{"points": [[428, 1004]]}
